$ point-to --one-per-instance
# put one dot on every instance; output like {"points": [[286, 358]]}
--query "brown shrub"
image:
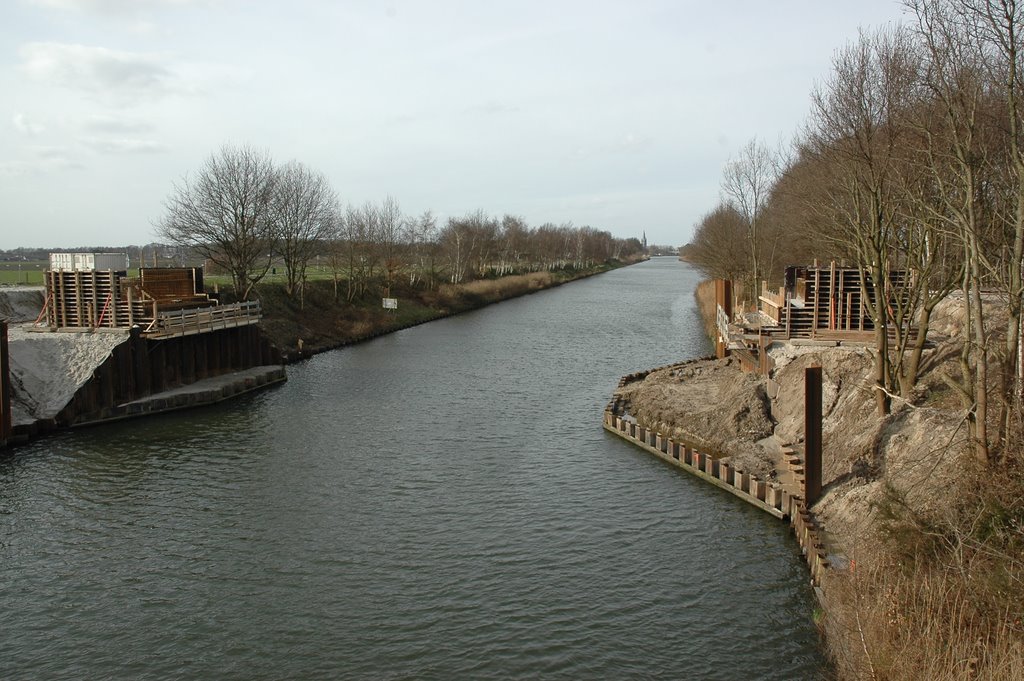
{"points": [[941, 596], [705, 295]]}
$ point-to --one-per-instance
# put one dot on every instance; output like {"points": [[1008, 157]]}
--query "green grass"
{"points": [[24, 273]]}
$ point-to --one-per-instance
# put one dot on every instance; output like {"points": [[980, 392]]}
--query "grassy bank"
{"points": [[324, 319]]}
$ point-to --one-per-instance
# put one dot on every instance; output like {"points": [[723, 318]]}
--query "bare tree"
{"points": [[952, 148], [747, 182], [390, 238], [515, 235], [421, 236], [997, 27], [223, 213], [304, 214], [856, 131], [713, 246], [359, 245]]}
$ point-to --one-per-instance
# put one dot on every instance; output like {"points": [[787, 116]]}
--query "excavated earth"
{"points": [[711, 404], [914, 452]]}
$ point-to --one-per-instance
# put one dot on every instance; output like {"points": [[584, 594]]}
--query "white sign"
{"points": [[390, 303]]}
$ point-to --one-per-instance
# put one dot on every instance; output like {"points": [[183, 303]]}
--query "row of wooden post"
{"points": [[769, 496]]}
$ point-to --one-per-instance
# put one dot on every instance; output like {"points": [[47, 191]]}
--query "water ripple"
{"points": [[436, 504]]}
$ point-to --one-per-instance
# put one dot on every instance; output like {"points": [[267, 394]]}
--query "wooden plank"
{"points": [[831, 296], [95, 302], [817, 293]]}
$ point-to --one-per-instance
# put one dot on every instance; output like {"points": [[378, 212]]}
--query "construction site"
{"points": [[772, 417], [95, 344]]}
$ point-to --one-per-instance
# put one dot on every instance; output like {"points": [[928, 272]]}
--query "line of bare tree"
{"points": [[243, 213], [912, 158]]}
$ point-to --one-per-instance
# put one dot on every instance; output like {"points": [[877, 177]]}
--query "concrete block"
{"points": [[695, 459], [687, 455]]}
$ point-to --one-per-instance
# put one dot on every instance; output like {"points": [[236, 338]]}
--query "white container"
{"points": [[86, 262]]}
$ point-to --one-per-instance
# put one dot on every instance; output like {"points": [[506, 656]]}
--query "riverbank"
{"points": [[323, 319], [933, 581], [75, 378], [404, 508]]}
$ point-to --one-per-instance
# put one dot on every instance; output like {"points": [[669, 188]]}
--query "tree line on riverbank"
{"points": [[243, 212], [912, 158]]}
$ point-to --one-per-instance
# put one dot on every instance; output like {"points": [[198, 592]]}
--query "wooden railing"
{"points": [[774, 302], [202, 320]]}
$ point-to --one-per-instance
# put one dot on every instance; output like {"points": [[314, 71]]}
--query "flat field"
{"points": [[24, 273]]}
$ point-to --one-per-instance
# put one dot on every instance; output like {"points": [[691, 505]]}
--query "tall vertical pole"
{"points": [[5, 386], [723, 300], [812, 434]]}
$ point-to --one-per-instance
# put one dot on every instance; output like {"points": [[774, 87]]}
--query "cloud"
{"points": [[492, 108], [115, 125], [628, 143], [124, 145], [121, 76], [109, 6], [46, 159], [26, 127]]}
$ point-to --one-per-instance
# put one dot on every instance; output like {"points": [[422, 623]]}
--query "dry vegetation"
{"points": [[941, 596], [911, 159], [324, 320], [935, 536]]}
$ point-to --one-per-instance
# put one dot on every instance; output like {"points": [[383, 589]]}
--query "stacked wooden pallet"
{"points": [[828, 301]]}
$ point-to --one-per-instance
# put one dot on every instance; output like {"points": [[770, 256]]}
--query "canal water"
{"points": [[440, 503]]}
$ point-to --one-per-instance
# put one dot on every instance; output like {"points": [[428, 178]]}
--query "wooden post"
{"points": [[94, 315], [812, 434], [131, 315], [817, 297], [723, 299]]}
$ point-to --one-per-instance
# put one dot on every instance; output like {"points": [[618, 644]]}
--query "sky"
{"points": [[616, 115]]}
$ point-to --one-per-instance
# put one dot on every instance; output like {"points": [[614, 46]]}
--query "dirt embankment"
{"points": [[916, 451], [933, 585], [47, 369], [709, 403]]}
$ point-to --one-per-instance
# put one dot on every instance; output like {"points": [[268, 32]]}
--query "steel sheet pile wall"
{"points": [[143, 367], [5, 386]]}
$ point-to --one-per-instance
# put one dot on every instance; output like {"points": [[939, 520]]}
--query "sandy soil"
{"points": [[20, 304], [711, 404], [48, 368], [917, 450]]}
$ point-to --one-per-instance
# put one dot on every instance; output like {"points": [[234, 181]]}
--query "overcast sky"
{"points": [[617, 115]]}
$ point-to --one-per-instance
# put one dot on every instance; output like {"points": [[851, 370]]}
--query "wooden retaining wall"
{"points": [[768, 496]]}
